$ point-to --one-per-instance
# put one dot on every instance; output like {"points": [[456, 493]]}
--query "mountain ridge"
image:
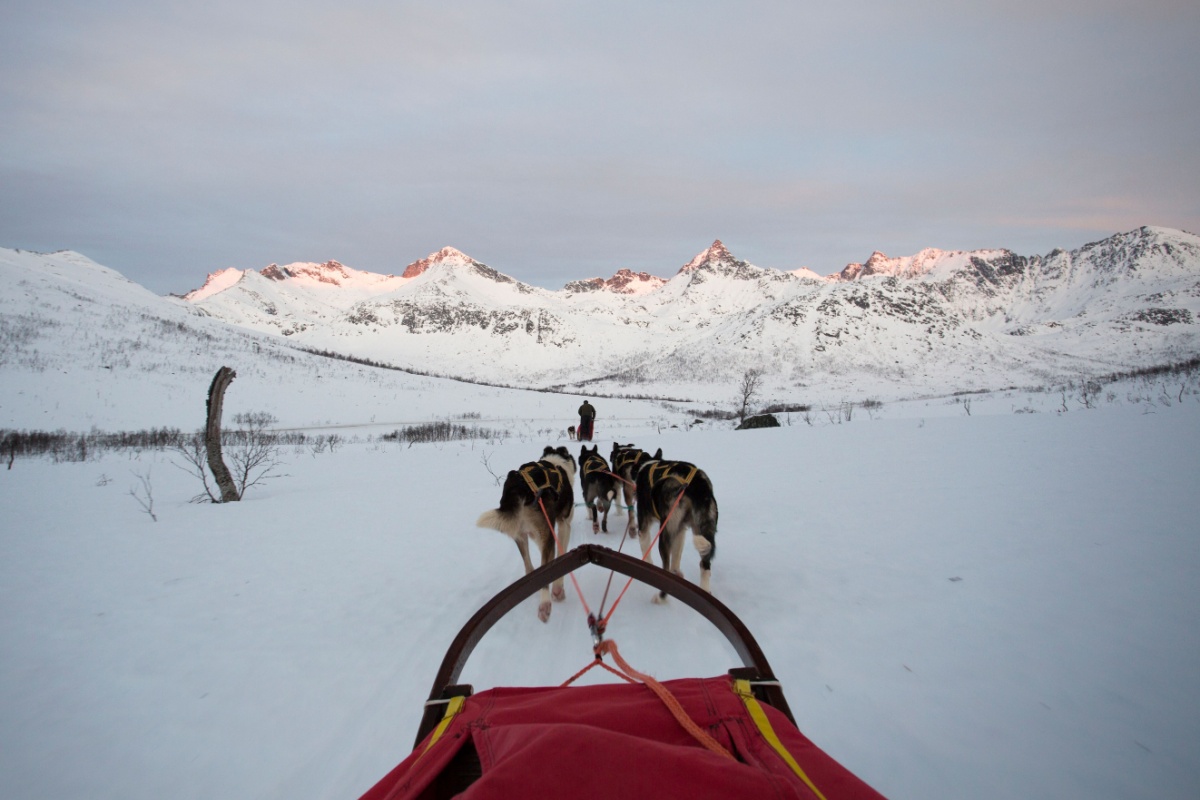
{"points": [[986, 311], [935, 322]]}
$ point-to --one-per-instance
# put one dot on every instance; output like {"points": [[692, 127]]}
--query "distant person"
{"points": [[587, 416]]}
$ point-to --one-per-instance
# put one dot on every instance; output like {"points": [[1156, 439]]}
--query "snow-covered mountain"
{"points": [[83, 347], [78, 341], [933, 322]]}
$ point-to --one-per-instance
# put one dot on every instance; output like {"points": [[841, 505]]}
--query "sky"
{"points": [[556, 141]]}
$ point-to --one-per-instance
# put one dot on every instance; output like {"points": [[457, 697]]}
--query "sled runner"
{"points": [[726, 736]]}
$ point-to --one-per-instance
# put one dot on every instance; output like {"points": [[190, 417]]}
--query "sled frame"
{"points": [[754, 663]]}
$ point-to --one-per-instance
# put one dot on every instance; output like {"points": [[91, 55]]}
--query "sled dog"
{"points": [[571, 432], [598, 485], [681, 495], [625, 460], [520, 516]]}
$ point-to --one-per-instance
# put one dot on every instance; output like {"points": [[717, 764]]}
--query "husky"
{"points": [[520, 516], [625, 460], [598, 484], [571, 432], [680, 495]]}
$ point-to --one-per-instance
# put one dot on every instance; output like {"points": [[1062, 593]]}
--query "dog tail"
{"points": [[497, 520]]}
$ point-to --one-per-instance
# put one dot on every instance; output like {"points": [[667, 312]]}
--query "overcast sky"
{"points": [[561, 140]]}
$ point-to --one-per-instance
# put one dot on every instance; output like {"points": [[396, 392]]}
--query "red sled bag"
{"points": [[729, 736]]}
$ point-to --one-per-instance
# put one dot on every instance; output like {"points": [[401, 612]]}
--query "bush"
{"points": [[441, 432]]}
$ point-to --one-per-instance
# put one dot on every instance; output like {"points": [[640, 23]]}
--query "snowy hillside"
{"points": [[81, 347], [933, 323]]}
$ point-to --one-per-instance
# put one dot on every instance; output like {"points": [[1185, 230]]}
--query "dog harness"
{"points": [[593, 463], [541, 476], [660, 471], [626, 458]]}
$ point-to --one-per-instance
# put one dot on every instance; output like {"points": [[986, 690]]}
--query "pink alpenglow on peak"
{"points": [[447, 255], [716, 253], [624, 281], [929, 261], [216, 282]]}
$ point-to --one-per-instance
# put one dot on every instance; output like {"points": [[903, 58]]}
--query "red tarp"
{"points": [[614, 741]]}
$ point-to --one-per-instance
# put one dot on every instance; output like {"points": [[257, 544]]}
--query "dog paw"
{"points": [[559, 593], [596, 528], [544, 612], [660, 599]]}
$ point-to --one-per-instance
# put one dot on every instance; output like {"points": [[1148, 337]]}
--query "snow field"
{"points": [[958, 606]]}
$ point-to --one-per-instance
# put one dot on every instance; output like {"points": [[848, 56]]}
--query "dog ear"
{"points": [[658, 454], [548, 450]]}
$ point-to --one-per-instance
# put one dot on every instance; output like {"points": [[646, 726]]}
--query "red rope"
{"points": [[664, 694], [618, 477], [558, 548], [645, 555], [626, 672]]}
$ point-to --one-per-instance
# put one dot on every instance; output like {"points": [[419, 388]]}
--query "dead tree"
{"points": [[212, 435], [748, 391]]}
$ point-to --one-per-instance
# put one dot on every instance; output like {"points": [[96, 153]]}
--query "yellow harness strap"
{"points": [[536, 486], [663, 471], [742, 689], [594, 464], [625, 458]]}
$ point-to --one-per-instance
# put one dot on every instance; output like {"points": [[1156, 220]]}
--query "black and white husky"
{"points": [[520, 516], [598, 484], [680, 495]]}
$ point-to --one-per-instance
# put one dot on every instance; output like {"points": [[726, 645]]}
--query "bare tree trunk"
{"points": [[212, 435], [748, 391]]}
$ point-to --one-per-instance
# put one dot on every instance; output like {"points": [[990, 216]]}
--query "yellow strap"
{"points": [[550, 473], [664, 470], [626, 458], [742, 688], [533, 487], [452, 708]]}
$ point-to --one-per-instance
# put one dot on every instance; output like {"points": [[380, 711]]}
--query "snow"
{"points": [[957, 606], [808, 275], [968, 596], [216, 283]]}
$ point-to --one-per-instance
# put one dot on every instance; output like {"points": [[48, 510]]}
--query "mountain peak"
{"points": [[447, 255], [216, 282], [330, 272], [716, 253], [922, 263], [625, 281]]}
